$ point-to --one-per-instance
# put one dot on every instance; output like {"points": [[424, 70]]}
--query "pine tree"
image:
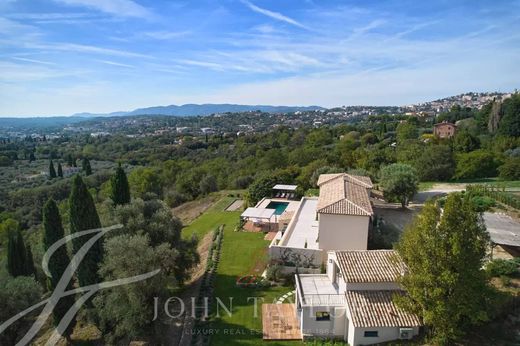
{"points": [[53, 231], [85, 166], [60, 170], [120, 190], [52, 171], [84, 216], [16, 255]]}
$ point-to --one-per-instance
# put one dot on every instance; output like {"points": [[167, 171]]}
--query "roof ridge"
{"points": [[375, 250], [360, 182], [337, 175]]}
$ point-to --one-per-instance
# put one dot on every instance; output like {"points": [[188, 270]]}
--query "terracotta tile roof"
{"points": [[327, 177], [376, 309], [360, 180], [370, 265], [343, 193]]}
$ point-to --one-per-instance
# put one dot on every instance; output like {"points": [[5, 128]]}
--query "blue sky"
{"points": [[58, 57]]}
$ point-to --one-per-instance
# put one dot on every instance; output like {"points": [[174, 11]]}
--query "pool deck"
{"points": [[292, 206], [306, 227]]}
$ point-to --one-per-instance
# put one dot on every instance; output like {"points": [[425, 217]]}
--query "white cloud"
{"points": [[33, 61], [114, 63], [14, 72], [81, 48], [124, 8], [375, 87], [274, 15], [164, 35], [207, 64], [48, 16]]}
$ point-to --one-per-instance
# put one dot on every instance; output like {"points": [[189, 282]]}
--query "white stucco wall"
{"points": [[335, 328], [343, 232], [385, 334], [315, 257], [356, 336]]}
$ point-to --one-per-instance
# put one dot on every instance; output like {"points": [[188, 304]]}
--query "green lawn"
{"points": [[489, 181], [212, 218], [242, 253]]}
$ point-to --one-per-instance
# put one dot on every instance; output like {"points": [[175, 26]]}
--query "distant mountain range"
{"points": [[202, 109]]}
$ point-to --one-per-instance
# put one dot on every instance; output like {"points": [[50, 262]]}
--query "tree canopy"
{"points": [[444, 252], [119, 188], [52, 232], [399, 182], [83, 216]]}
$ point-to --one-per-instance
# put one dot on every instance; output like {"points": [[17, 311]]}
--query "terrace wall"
{"points": [[302, 257]]}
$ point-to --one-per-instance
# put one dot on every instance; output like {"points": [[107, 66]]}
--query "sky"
{"points": [[59, 57]]}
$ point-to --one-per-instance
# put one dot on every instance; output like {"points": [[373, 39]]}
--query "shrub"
{"points": [[482, 203], [476, 164], [505, 280], [273, 272], [174, 198], [501, 267], [510, 169]]}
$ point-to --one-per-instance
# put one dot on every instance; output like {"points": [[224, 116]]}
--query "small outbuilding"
{"points": [[284, 191]]}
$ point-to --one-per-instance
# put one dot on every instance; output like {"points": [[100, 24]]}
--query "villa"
{"points": [[444, 129], [339, 219], [353, 301]]}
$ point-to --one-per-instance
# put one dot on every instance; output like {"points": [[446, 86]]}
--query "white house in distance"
{"points": [[339, 219], [353, 300]]}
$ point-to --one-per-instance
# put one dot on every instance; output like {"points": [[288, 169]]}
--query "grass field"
{"points": [[212, 218], [426, 185], [242, 253]]}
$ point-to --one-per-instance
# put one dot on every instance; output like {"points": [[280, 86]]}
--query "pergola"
{"points": [[258, 214], [284, 191]]}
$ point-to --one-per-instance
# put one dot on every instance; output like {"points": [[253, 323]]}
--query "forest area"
{"points": [[137, 182]]}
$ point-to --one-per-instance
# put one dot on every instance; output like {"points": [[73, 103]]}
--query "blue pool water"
{"points": [[279, 207]]}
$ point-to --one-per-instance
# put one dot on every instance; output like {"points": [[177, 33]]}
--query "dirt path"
{"points": [[178, 326], [189, 211]]}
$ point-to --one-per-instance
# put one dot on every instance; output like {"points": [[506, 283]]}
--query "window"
{"points": [[322, 316], [371, 334]]}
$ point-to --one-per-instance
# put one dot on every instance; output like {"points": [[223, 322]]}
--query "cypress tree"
{"points": [[84, 216], [60, 170], [52, 171], [16, 254], [70, 161], [29, 262], [120, 190], [31, 157], [53, 231], [85, 166]]}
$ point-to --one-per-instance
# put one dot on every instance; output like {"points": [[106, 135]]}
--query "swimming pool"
{"points": [[279, 207]]}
